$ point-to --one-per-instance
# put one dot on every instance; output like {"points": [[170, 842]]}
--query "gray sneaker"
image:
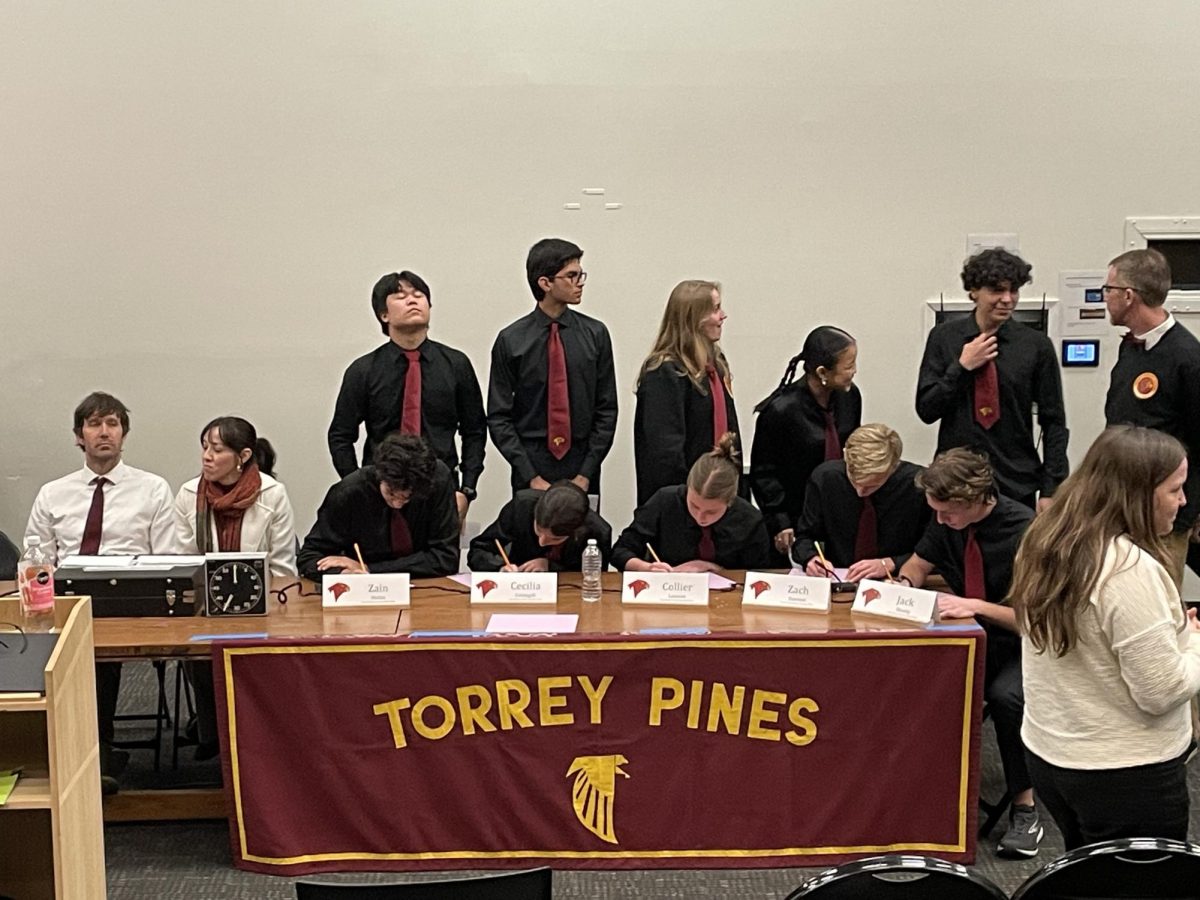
{"points": [[1023, 835]]}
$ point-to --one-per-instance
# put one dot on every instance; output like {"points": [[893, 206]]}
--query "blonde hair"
{"points": [[714, 476], [872, 450], [680, 339]]}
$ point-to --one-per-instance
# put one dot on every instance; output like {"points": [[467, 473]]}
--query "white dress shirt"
{"points": [[137, 512], [1155, 334], [268, 525]]}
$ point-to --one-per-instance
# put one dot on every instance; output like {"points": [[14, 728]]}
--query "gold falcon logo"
{"points": [[594, 790]]}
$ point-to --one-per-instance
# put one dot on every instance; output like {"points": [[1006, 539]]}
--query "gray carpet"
{"points": [[192, 859]]}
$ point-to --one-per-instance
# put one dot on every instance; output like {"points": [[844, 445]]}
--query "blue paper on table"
{"points": [[419, 634], [677, 629]]}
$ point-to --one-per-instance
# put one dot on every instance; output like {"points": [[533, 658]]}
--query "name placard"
{"points": [[346, 591], [777, 591], [524, 588], [665, 588], [895, 600]]}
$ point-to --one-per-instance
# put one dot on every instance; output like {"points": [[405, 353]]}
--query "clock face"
{"points": [[236, 588]]}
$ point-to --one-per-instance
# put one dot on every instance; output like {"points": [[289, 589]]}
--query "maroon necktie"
{"points": [[707, 549], [973, 583], [558, 404], [402, 544], [833, 447], [554, 554], [1132, 339], [410, 421], [866, 543], [987, 395], [90, 545], [720, 415]]}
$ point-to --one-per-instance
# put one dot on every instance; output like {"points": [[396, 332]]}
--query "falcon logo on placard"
{"points": [[870, 594], [594, 792], [1145, 386], [486, 586], [337, 589], [638, 586], [759, 587]]}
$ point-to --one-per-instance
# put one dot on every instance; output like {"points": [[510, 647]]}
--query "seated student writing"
{"points": [[865, 510], [701, 526], [541, 531], [400, 512]]}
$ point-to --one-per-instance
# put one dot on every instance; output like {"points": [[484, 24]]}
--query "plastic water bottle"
{"points": [[35, 581], [591, 571]]}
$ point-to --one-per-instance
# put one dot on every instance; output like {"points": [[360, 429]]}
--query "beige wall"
{"points": [[197, 197]]}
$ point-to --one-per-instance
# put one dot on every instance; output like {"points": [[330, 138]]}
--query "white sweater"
{"points": [[1120, 696], [267, 525]]}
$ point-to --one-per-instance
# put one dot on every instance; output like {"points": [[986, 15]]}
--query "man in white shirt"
{"points": [[106, 507]]}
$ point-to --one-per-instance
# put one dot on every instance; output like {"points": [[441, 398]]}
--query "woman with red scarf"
{"points": [[235, 505]]}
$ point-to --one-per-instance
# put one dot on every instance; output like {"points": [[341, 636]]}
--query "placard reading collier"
{"points": [[587, 753]]}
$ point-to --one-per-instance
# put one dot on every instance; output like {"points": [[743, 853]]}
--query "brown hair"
{"points": [[1061, 556], [1147, 272], [714, 476], [680, 339], [871, 450], [959, 475]]}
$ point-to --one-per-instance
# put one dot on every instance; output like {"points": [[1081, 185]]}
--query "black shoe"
{"points": [[112, 760], [108, 786], [206, 750], [1023, 835]]}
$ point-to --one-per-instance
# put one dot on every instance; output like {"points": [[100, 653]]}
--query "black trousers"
{"points": [[108, 685], [1004, 692], [1091, 805], [556, 469]]}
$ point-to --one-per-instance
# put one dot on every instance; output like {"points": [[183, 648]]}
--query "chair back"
{"points": [[1125, 869], [534, 884], [898, 878]]}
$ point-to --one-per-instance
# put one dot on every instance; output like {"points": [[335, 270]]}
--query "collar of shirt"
{"points": [[119, 471], [564, 320], [1155, 334], [972, 329], [398, 352]]}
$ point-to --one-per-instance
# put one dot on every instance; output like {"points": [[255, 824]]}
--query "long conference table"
{"points": [[720, 736]]}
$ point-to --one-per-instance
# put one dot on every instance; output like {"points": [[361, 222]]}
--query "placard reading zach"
{"points": [[344, 591], [786, 591], [895, 601], [524, 588], [664, 589]]}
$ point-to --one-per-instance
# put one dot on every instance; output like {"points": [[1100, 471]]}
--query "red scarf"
{"points": [[226, 505]]}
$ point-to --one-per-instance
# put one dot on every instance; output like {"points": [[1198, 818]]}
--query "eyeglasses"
{"points": [[1118, 287], [574, 277]]}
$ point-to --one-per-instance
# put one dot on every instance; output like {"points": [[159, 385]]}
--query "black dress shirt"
{"points": [[789, 443], [516, 413], [1174, 405], [673, 427], [373, 392], [832, 507], [739, 536], [514, 530], [998, 536], [1027, 370], [354, 511]]}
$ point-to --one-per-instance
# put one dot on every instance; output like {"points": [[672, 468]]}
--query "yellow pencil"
{"points": [[503, 555], [358, 553], [652, 553], [821, 556]]}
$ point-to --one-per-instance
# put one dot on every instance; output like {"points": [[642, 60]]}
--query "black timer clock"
{"points": [[235, 584]]}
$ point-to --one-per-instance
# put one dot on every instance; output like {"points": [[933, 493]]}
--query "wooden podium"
{"points": [[51, 829]]}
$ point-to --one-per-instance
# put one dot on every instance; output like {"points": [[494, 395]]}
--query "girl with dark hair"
{"points": [[235, 504], [541, 531], [1111, 661], [801, 425], [700, 526]]}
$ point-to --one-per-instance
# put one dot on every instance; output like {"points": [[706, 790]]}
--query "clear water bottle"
{"points": [[592, 563], [35, 582]]}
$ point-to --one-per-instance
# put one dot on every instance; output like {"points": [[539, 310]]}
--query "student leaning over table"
{"points": [[700, 526], [542, 531], [1111, 660]]}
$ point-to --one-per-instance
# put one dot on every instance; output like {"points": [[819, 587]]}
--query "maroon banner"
{"points": [[585, 753]]}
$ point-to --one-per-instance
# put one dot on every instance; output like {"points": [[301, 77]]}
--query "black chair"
{"points": [[898, 878], [534, 884], [1125, 869]]}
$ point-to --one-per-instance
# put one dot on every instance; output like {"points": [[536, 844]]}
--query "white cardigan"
{"points": [[1120, 697], [267, 525]]}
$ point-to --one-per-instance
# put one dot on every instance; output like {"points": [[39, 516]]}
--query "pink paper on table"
{"points": [[532, 623], [463, 578], [718, 583]]}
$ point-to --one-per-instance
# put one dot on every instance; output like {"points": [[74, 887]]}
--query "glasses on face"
{"points": [[579, 278], [1117, 287]]}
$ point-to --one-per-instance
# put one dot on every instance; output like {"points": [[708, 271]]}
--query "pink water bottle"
{"points": [[35, 580]]}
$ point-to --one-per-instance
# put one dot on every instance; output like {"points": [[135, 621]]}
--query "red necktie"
{"points": [[402, 544], [707, 549], [973, 583], [833, 447], [410, 421], [558, 404], [90, 545], [987, 395], [720, 415], [866, 544]]}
